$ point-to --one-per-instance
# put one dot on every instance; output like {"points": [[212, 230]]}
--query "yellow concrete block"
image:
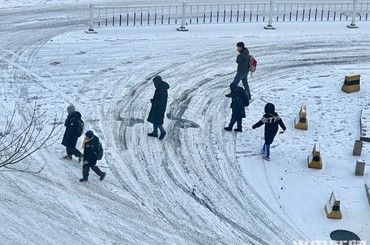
{"points": [[351, 84], [332, 208]]}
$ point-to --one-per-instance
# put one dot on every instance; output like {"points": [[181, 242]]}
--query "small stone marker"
{"points": [[360, 168], [357, 149]]}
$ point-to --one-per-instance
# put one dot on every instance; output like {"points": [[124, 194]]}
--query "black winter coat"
{"points": [[159, 103], [243, 61], [272, 121], [90, 149], [71, 135], [238, 103]]}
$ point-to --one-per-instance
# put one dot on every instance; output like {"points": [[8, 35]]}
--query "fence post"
{"points": [[353, 25], [91, 28], [183, 24], [269, 26]]}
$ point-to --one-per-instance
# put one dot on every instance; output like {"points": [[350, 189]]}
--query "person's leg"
{"points": [[246, 86], [76, 153], [267, 150], [235, 82], [97, 170], [85, 172], [155, 131], [163, 132], [239, 124], [231, 124], [161, 129], [69, 153]]}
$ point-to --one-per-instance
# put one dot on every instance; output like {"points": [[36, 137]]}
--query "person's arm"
{"points": [[282, 125], [258, 124]]}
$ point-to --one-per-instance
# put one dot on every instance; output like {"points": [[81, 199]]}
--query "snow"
{"points": [[200, 185]]}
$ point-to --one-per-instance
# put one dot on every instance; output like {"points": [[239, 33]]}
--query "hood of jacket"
{"points": [[269, 108], [159, 83]]}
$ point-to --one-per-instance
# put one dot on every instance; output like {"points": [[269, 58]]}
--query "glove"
{"points": [[253, 127], [85, 162]]}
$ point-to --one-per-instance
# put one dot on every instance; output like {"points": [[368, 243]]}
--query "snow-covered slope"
{"points": [[200, 185]]}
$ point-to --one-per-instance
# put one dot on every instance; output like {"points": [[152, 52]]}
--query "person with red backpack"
{"points": [[74, 128], [243, 68]]}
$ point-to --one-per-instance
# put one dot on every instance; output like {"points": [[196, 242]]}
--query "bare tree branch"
{"points": [[17, 144]]}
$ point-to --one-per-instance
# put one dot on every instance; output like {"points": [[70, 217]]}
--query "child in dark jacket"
{"points": [[90, 146], [272, 121], [239, 100]]}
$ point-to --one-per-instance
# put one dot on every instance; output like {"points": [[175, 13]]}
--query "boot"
{"points": [[103, 176], [84, 179], [162, 135], [266, 158], [153, 134], [68, 157], [228, 128], [238, 130]]}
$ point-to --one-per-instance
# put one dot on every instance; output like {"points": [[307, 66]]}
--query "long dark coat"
{"points": [[159, 101], [71, 135], [272, 122]]}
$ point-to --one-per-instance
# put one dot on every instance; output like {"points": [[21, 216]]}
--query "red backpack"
{"points": [[252, 63]]}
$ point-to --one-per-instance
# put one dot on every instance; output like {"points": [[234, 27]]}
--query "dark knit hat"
{"points": [[240, 45], [89, 134]]}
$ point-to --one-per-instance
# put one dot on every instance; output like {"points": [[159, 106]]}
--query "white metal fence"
{"points": [[186, 14]]}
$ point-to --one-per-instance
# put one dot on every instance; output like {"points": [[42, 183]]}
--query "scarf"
{"points": [[85, 141]]}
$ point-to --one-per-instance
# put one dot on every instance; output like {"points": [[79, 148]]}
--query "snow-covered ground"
{"points": [[200, 185]]}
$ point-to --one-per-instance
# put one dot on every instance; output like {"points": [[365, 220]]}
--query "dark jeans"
{"points": [[234, 120], [73, 151], [244, 77], [86, 170]]}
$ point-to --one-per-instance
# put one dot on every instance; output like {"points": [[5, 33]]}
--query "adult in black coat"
{"points": [[159, 104], [90, 146], [238, 102], [272, 122], [72, 133]]}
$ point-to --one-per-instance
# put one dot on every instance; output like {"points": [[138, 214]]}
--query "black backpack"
{"points": [[99, 151], [79, 127]]}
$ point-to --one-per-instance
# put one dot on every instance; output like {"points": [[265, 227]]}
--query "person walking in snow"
{"points": [[272, 122], [239, 100], [243, 68], [159, 104], [74, 128], [90, 146]]}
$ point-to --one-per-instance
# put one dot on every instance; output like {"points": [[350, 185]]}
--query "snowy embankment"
{"points": [[200, 185]]}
